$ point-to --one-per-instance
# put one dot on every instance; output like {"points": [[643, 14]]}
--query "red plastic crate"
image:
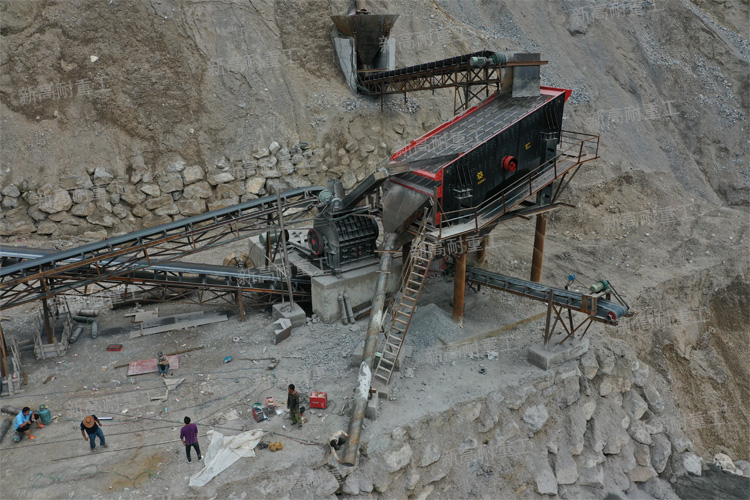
{"points": [[114, 347], [319, 400]]}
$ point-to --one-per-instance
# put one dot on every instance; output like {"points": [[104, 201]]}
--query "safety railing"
{"points": [[575, 148]]}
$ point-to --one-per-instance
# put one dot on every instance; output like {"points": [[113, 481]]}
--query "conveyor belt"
{"points": [[59, 272], [452, 72], [207, 273], [446, 65], [606, 311]]}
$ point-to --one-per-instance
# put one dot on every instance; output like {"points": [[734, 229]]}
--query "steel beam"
{"points": [[25, 281]]}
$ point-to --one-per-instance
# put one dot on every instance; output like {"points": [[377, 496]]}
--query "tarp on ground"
{"points": [[149, 365], [223, 451]]}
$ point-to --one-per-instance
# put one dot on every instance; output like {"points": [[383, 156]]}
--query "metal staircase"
{"points": [[411, 287]]}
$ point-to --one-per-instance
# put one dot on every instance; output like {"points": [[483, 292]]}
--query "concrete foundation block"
{"points": [[371, 411], [383, 390], [358, 284], [295, 315], [282, 330], [554, 355]]}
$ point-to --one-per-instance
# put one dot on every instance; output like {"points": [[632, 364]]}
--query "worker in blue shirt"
{"points": [[23, 420]]}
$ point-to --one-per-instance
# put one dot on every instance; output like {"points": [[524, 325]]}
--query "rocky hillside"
{"points": [[118, 115]]}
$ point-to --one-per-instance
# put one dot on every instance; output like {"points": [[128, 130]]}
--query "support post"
{"points": [[550, 305], [241, 305], [482, 252], [287, 269], [47, 322], [536, 261], [3, 361], [459, 284]]}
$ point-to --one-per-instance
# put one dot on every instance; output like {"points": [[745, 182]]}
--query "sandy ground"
{"points": [[145, 455]]}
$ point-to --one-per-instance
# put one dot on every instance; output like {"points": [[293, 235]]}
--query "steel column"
{"points": [[459, 284], [536, 261], [47, 326]]}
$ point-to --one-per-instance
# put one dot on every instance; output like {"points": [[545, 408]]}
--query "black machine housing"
{"points": [[342, 239]]}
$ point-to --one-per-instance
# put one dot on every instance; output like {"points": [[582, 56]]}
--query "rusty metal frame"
{"points": [[33, 280], [435, 78]]}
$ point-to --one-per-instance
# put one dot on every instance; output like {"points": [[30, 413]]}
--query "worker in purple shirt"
{"points": [[189, 437]]}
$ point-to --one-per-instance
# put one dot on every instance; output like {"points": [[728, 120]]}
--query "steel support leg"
{"points": [[47, 322], [536, 261], [241, 305], [482, 252], [459, 284]]}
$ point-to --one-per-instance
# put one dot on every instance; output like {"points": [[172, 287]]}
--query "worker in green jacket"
{"points": [[292, 402]]}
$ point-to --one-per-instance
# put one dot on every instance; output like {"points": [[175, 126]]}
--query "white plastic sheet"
{"points": [[223, 451]]}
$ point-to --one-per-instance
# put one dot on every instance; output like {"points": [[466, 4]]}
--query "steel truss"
{"points": [[125, 255]]}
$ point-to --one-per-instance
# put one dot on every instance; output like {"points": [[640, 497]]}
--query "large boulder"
{"points": [[170, 209], [535, 417], [159, 201], [215, 178], [692, 463], [151, 189], [132, 195], [398, 459], [546, 483], [255, 185], [198, 190], [226, 202], [16, 225], [634, 405], [566, 471], [431, 455], [101, 176], [83, 209], [10, 203], [11, 191], [661, 450], [54, 201], [191, 174], [101, 218], [608, 426], [170, 182], [191, 207]]}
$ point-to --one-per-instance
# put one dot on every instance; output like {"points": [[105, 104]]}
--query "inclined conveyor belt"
{"points": [[606, 311], [209, 274], [448, 65]]}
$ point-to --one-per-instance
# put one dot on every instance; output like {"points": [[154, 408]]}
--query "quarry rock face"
{"points": [[596, 442], [670, 192]]}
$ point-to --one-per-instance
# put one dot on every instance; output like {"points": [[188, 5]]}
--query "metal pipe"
{"points": [[4, 428], [368, 354], [536, 260], [75, 335], [342, 306], [349, 310], [10, 410], [47, 323]]}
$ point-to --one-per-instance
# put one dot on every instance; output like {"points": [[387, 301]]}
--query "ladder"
{"points": [[411, 287]]}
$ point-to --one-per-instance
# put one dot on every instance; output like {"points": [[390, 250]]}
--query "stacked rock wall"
{"points": [[588, 428], [103, 202]]}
